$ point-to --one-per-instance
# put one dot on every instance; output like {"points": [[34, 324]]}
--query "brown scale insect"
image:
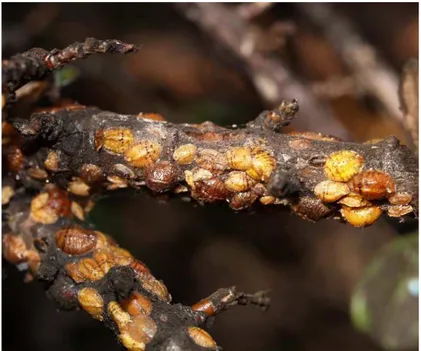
{"points": [[210, 190], [373, 184], [330, 191], [354, 200], [317, 161], [139, 267], [399, 210], [78, 187], [311, 208], [116, 182], [137, 304], [212, 160], [142, 153], [240, 201], [92, 302], [201, 338], [86, 269], [156, 287], [76, 241], [400, 198], [238, 181], [14, 158], [122, 171], [341, 166], [149, 282], [162, 176], [361, 216], [185, 154], [91, 173]]}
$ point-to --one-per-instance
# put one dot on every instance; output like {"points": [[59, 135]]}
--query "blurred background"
{"points": [[192, 72]]}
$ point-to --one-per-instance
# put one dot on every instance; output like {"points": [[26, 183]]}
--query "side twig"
{"points": [[37, 63], [408, 94], [370, 73]]}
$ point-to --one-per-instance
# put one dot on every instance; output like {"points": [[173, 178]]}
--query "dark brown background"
{"points": [[311, 269]]}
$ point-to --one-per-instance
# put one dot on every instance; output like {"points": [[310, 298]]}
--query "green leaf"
{"points": [[385, 301]]}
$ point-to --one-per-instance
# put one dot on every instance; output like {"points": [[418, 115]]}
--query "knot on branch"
{"points": [[276, 119]]}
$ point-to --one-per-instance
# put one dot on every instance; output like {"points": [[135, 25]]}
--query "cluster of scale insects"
{"points": [[92, 259], [355, 189], [240, 175]]}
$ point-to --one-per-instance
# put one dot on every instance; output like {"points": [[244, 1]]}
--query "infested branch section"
{"points": [[85, 269], [316, 176]]}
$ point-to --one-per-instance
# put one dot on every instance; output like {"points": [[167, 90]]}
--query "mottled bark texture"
{"points": [[84, 269]]}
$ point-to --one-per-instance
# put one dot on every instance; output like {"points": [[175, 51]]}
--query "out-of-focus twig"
{"points": [[334, 88], [408, 94], [371, 74], [251, 10], [271, 78]]}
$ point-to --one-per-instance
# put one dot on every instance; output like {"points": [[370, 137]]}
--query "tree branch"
{"points": [[86, 149], [408, 93], [84, 269], [37, 63]]}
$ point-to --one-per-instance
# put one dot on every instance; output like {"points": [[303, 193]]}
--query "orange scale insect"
{"points": [[137, 304], [121, 256], [86, 269], [104, 259], [138, 333], [119, 316], [92, 302], [14, 248], [201, 338]]}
